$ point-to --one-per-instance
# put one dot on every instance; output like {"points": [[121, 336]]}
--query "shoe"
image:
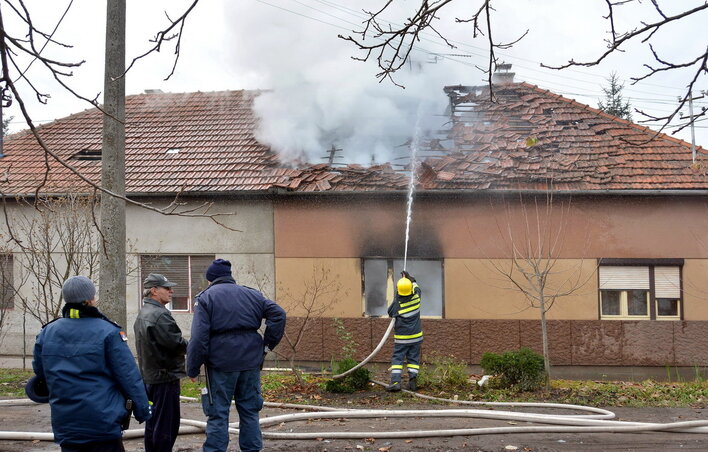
{"points": [[394, 387], [413, 384]]}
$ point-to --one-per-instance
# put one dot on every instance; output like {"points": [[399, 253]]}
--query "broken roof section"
{"points": [[531, 136], [204, 143]]}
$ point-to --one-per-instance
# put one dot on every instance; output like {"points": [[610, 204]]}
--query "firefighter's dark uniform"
{"points": [[407, 334]]}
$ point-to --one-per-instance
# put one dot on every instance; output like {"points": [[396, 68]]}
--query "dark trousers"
{"points": [[161, 429], [409, 353], [245, 388], [114, 445]]}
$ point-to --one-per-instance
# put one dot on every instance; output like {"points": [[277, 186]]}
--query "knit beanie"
{"points": [[78, 289], [218, 268]]}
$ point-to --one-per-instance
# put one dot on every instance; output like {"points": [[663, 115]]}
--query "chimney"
{"points": [[503, 75]]}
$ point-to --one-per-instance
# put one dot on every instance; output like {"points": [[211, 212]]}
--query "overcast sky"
{"points": [[319, 94]]}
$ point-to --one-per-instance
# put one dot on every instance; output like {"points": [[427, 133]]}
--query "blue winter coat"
{"points": [[225, 328], [90, 372]]}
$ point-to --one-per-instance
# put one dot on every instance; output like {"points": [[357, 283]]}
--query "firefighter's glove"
{"points": [[405, 274]]}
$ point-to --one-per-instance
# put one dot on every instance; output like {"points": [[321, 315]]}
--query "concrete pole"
{"points": [[112, 279]]}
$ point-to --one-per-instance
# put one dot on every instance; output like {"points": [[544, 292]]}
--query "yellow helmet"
{"points": [[404, 286]]}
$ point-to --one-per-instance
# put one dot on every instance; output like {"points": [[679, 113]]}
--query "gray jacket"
{"points": [[159, 343]]}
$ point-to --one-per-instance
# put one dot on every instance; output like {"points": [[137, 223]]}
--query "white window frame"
{"points": [[658, 281], [392, 276]]}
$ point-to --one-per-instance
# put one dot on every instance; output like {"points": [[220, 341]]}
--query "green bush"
{"points": [[443, 372], [353, 382], [519, 369]]}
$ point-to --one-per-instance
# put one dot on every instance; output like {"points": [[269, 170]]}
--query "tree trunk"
{"points": [[112, 277], [544, 334]]}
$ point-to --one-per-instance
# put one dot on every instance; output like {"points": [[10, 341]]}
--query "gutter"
{"points": [[404, 192], [448, 192]]}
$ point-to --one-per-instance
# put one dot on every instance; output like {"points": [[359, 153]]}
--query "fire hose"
{"points": [[597, 421]]}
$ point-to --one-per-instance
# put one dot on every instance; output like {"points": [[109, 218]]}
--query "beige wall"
{"points": [[477, 289], [337, 283], [469, 233], [695, 289]]}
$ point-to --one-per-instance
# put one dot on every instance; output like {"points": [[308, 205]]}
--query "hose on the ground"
{"points": [[598, 421], [368, 358]]}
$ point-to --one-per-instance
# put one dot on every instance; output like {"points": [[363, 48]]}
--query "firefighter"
{"points": [[407, 332]]}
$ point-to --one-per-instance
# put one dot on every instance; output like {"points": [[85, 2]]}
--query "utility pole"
{"points": [[690, 118], [112, 277]]}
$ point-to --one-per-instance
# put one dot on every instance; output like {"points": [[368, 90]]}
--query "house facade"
{"points": [[614, 220]]}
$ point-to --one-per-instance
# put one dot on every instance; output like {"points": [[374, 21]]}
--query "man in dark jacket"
{"points": [[90, 373], [225, 339], [161, 350], [407, 332]]}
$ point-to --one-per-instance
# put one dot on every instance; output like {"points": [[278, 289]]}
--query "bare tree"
{"points": [[21, 48], [534, 241], [56, 239], [390, 44], [317, 295]]}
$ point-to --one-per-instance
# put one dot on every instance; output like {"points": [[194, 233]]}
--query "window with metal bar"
{"points": [[185, 270]]}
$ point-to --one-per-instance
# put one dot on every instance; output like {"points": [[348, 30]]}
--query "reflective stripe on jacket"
{"points": [[406, 310]]}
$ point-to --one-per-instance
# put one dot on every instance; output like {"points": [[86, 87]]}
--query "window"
{"points": [[640, 292], [186, 271], [7, 290], [381, 275]]}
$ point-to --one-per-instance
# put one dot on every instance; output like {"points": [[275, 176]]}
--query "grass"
{"points": [[283, 387], [12, 382]]}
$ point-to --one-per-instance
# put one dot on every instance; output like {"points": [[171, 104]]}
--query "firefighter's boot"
{"points": [[413, 384], [395, 386]]}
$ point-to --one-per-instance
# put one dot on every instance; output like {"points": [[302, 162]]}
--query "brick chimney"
{"points": [[503, 75]]}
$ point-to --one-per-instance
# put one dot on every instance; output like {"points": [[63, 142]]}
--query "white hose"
{"points": [[368, 358], [599, 421]]}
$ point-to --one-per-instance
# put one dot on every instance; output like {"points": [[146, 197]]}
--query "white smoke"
{"points": [[319, 97]]}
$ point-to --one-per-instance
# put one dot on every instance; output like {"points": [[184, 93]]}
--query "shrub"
{"points": [[520, 369], [353, 382], [443, 372]]}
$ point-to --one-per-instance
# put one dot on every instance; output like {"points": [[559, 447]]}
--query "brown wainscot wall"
{"points": [[571, 342]]}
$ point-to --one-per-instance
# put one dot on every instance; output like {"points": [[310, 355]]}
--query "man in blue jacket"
{"points": [[90, 373], [225, 339]]}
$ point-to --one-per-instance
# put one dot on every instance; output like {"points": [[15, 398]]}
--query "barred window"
{"points": [[185, 270]]}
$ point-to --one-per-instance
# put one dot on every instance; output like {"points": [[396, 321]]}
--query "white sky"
{"points": [[291, 47]]}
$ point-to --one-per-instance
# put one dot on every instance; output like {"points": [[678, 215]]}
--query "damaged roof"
{"points": [[205, 143], [531, 136]]}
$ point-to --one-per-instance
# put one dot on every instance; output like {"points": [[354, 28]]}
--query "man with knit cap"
{"points": [[226, 341], [90, 373], [161, 349]]}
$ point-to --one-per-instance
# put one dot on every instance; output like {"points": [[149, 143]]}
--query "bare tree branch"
{"points": [[165, 35]]}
